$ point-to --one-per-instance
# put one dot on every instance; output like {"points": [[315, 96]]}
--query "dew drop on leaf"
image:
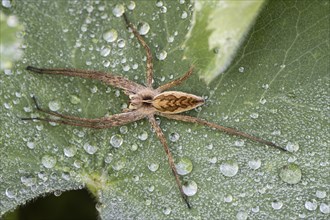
{"points": [[143, 136], [70, 151], [292, 147], [161, 55], [184, 166], [174, 137], [108, 158], [118, 10], [90, 149], [105, 51], [254, 164], [153, 167], [228, 198], [54, 105], [74, 99], [48, 161], [143, 28], [277, 205], [10, 193], [131, 5], [325, 208], [190, 188], [311, 205], [167, 211], [291, 173], [241, 69], [110, 35], [242, 215], [229, 168], [116, 140]]}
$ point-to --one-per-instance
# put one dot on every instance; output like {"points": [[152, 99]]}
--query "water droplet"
{"points": [[291, 173], [254, 115], [292, 147], [255, 164], [131, 5], [90, 149], [6, 3], [190, 188], [108, 158], [118, 165], [143, 136], [167, 211], [105, 51], [161, 55], [143, 28], [159, 4], [174, 137], [123, 129], [70, 151], [153, 167], [228, 198], [321, 194], [184, 15], [121, 43], [255, 209], [48, 161], [10, 193], [89, 9], [229, 168], [262, 101], [57, 193], [265, 86], [242, 215], [28, 180], [184, 166], [54, 105], [277, 205], [116, 140], [74, 99], [30, 145], [311, 205], [134, 147], [151, 188], [325, 208], [239, 143], [110, 36], [241, 69], [118, 10]]}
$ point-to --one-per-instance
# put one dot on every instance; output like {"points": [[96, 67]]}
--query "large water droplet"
{"points": [[228, 198], [184, 166], [10, 193], [110, 36], [311, 205], [90, 149], [153, 167], [190, 188], [105, 51], [321, 194], [48, 161], [277, 205], [54, 105], [143, 136], [229, 168], [70, 151], [325, 208], [6, 3], [161, 55], [131, 5], [292, 147], [254, 164], [116, 140], [291, 173], [167, 211], [118, 10], [28, 180], [174, 137], [143, 28]]}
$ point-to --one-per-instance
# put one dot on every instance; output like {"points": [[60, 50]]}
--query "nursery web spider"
{"points": [[145, 102]]}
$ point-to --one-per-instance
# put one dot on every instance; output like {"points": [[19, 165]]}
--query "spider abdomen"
{"points": [[173, 102]]}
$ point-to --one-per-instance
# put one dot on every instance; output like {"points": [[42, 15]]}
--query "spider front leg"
{"points": [[162, 139], [96, 123], [227, 130], [150, 67]]}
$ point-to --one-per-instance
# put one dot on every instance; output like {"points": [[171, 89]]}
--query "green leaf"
{"points": [[276, 88]]}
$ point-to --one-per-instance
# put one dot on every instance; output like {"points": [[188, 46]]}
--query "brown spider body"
{"points": [[145, 102]]}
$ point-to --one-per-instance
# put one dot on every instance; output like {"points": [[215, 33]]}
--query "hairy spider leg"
{"points": [[113, 80], [176, 82], [150, 67], [162, 139], [231, 131]]}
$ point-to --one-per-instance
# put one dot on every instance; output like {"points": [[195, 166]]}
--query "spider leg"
{"points": [[162, 139], [176, 82], [146, 48], [95, 123], [227, 130], [115, 81]]}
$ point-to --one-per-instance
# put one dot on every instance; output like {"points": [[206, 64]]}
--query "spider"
{"points": [[145, 102]]}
